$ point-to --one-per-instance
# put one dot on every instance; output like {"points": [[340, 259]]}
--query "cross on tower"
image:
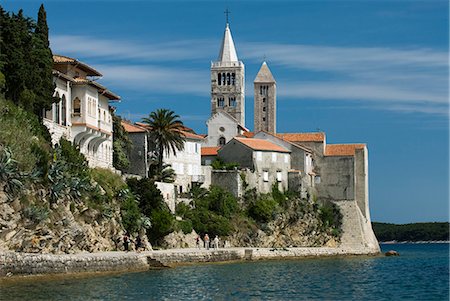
{"points": [[227, 12]]}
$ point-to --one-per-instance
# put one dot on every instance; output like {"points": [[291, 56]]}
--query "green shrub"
{"points": [[111, 182], [10, 175], [35, 213], [263, 209], [184, 225], [182, 209], [330, 215], [221, 201], [22, 133], [278, 196], [219, 164], [162, 224]]}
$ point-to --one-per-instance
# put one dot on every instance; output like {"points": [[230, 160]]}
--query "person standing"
{"points": [[206, 239], [216, 242], [126, 242], [197, 241]]}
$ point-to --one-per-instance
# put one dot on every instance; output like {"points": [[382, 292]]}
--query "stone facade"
{"points": [[228, 81], [265, 101]]}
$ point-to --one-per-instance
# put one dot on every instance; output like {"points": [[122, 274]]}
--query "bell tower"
{"points": [[265, 89], [228, 81]]}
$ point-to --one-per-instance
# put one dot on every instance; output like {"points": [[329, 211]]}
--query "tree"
{"points": [[165, 132], [121, 144], [26, 61]]}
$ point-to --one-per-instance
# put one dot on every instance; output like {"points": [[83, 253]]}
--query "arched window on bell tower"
{"points": [[222, 141], [219, 78]]}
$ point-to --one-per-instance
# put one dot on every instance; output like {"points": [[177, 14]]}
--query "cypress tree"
{"points": [[42, 64]]}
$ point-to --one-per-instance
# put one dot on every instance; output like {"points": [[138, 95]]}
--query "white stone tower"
{"points": [[228, 81], [265, 89]]}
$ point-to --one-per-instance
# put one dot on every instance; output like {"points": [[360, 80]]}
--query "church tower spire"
{"points": [[228, 80], [265, 89]]}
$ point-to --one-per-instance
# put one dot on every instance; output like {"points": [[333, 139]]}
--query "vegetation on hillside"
{"points": [[412, 232], [26, 61]]}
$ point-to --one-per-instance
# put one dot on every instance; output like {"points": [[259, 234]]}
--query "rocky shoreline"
{"points": [[15, 264]]}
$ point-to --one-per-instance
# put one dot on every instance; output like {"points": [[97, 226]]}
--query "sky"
{"points": [[374, 72]]}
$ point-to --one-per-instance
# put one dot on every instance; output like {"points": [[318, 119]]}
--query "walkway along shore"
{"points": [[28, 264]]}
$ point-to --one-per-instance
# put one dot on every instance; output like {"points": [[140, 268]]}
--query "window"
{"points": [[208, 162], [223, 79], [233, 79], [222, 129], [228, 79], [77, 106], [264, 118], [232, 101], [64, 110], [57, 113], [274, 157], [265, 176], [219, 79], [279, 176], [317, 180], [264, 109], [222, 141], [258, 156], [264, 99], [221, 102], [286, 158]]}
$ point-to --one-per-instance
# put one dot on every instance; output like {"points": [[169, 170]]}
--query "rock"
{"points": [[180, 240], [392, 253]]}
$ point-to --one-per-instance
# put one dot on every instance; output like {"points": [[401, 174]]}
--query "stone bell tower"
{"points": [[228, 81], [265, 89]]}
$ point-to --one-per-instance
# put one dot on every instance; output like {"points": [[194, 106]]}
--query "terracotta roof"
{"points": [[131, 128], [342, 149], [101, 88], [192, 135], [303, 137], [262, 145], [248, 134], [61, 59], [210, 150]]}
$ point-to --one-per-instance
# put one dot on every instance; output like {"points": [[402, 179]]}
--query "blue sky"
{"points": [[365, 71]]}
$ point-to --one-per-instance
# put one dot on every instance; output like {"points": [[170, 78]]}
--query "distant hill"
{"points": [[411, 232]]}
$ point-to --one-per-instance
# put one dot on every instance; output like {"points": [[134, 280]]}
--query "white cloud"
{"points": [[408, 80]]}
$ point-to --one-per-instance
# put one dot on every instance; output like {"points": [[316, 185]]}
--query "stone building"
{"points": [[301, 162], [228, 81], [265, 101], [268, 161], [83, 114], [186, 163]]}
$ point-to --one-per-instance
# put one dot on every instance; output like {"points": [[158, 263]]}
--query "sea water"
{"points": [[421, 272]]}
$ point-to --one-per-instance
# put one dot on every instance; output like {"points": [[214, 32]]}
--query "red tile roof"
{"points": [[192, 135], [61, 59], [248, 134], [302, 137], [342, 149], [210, 150], [131, 128], [262, 145]]}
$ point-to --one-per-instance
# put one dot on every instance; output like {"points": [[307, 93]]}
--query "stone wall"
{"points": [[12, 263], [336, 178], [229, 180]]}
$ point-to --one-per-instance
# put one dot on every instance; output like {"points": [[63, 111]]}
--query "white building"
{"points": [[83, 114]]}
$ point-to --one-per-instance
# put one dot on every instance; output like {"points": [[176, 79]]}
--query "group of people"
{"points": [[139, 245], [206, 242]]}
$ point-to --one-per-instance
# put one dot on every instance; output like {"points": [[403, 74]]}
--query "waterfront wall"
{"points": [[27, 264]]}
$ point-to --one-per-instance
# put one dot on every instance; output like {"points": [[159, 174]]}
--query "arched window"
{"points": [[64, 110], [77, 106], [219, 79], [221, 102], [233, 79], [223, 79], [228, 79], [222, 141], [57, 105]]}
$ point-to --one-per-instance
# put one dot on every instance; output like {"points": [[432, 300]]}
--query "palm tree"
{"points": [[166, 132]]}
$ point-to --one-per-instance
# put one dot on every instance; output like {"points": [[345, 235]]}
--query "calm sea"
{"points": [[420, 273]]}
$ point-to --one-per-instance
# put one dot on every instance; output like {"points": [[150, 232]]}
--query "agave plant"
{"points": [[10, 175]]}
